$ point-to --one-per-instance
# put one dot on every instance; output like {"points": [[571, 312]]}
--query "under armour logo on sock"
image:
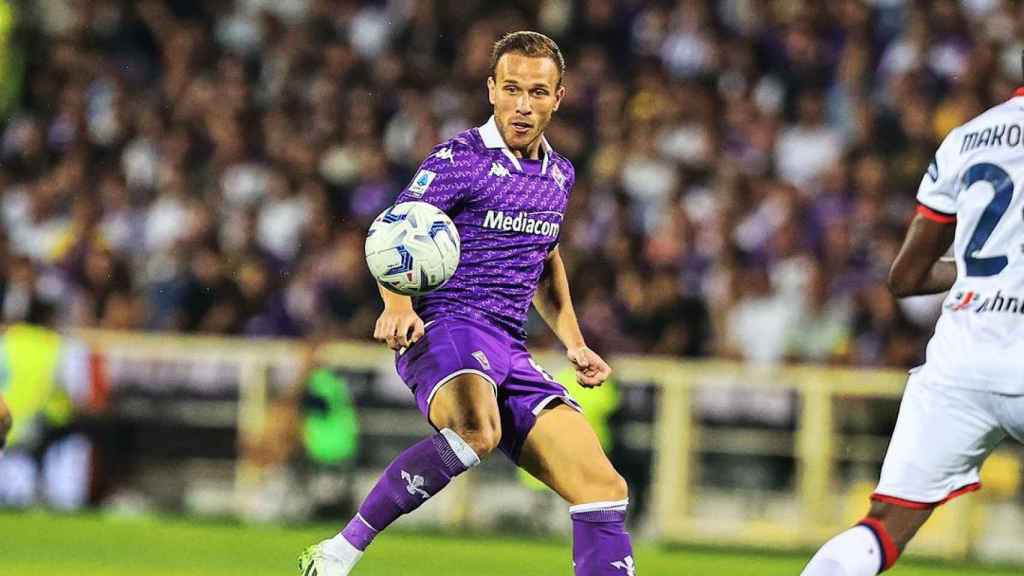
{"points": [[626, 564], [414, 485]]}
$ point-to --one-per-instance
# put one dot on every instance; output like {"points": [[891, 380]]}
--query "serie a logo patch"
{"points": [[421, 182]]}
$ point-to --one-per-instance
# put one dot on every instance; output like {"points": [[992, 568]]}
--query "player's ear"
{"points": [[559, 94], [490, 89]]}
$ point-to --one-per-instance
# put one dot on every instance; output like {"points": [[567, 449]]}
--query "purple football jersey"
{"points": [[509, 214]]}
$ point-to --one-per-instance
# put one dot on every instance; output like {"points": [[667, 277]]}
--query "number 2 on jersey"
{"points": [[1003, 186]]}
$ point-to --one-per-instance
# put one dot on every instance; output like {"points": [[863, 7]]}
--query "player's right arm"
{"points": [[6, 422], [398, 325], [443, 180], [919, 267]]}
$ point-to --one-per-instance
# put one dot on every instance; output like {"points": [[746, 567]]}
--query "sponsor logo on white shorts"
{"points": [[978, 303]]}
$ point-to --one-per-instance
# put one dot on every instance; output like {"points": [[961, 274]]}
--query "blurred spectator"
{"points": [[744, 169]]}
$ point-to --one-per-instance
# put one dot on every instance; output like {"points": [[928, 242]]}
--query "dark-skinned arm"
{"points": [[919, 267]]}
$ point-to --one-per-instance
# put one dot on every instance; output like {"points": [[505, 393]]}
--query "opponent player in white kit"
{"points": [[969, 394]]}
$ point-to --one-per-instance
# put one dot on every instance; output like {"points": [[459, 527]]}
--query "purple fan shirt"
{"points": [[509, 212]]}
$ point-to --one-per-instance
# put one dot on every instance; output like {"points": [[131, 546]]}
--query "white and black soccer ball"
{"points": [[412, 248]]}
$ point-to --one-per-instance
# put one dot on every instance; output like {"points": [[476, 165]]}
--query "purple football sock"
{"points": [[600, 543], [412, 478]]}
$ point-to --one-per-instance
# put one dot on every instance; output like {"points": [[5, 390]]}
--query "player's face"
{"points": [[525, 93]]}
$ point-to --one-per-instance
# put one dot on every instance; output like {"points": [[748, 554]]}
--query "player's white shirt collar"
{"points": [[492, 139]]}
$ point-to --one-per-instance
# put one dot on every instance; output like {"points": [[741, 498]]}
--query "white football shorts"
{"points": [[942, 437]]}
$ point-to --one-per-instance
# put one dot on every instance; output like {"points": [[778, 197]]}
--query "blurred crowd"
{"points": [[745, 169]]}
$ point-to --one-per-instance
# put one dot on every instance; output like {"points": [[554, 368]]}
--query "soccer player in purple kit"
{"points": [[461, 349]]}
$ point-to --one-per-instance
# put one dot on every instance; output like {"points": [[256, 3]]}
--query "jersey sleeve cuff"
{"points": [[935, 215]]}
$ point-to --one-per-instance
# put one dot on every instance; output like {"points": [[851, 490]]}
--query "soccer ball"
{"points": [[412, 248]]}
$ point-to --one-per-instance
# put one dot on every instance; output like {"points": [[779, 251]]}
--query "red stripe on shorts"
{"points": [[914, 505]]}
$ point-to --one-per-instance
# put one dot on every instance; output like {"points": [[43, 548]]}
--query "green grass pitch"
{"points": [[38, 544]]}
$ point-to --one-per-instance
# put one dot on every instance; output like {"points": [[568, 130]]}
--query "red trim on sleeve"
{"points": [[890, 552], [1019, 91], [935, 216], [914, 505]]}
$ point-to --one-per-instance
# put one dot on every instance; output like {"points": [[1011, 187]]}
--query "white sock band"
{"points": [[463, 450], [618, 506]]}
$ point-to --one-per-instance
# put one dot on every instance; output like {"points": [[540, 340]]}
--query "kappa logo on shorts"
{"points": [[482, 359]]}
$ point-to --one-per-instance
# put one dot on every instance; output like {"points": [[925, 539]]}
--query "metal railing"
{"points": [[818, 506]]}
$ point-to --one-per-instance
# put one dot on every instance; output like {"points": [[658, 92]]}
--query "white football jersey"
{"points": [[977, 180]]}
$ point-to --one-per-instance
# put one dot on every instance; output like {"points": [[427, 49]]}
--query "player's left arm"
{"points": [[919, 267], [554, 304]]}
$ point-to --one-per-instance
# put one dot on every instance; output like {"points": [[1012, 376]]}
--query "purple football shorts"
{"points": [[455, 346]]}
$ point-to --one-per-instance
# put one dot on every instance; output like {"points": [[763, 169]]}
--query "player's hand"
{"points": [[591, 369], [398, 327]]}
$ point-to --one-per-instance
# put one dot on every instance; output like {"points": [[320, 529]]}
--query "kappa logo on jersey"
{"points": [[933, 170], [498, 170], [558, 176], [446, 154], [421, 182], [521, 222], [626, 564], [482, 359], [414, 485]]}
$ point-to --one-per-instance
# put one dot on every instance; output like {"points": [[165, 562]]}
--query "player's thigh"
{"points": [[942, 437], [467, 405], [1011, 414], [563, 451]]}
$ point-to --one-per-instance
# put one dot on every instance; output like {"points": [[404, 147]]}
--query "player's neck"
{"points": [[531, 151]]}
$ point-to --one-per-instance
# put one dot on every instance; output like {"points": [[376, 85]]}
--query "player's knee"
{"points": [[483, 441], [609, 487], [618, 489], [482, 434]]}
